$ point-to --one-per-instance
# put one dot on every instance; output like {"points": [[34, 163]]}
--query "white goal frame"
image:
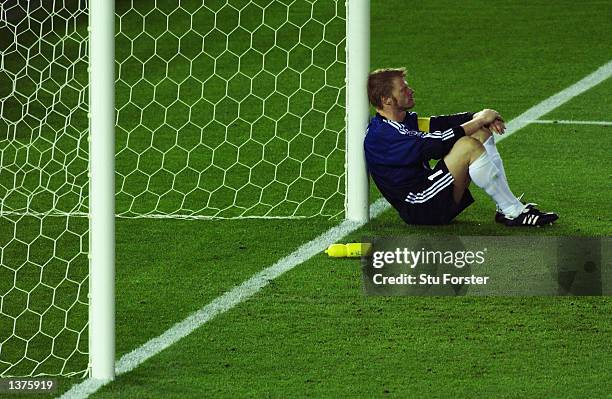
{"points": [[102, 154], [102, 189], [357, 108]]}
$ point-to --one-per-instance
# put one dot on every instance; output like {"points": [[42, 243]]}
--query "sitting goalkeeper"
{"points": [[398, 148]]}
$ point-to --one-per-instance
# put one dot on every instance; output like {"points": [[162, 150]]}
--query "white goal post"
{"points": [[357, 108], [102, 189]]}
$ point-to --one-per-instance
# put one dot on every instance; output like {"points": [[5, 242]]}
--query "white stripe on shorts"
{"points": [[427, 192], [430, 192]]}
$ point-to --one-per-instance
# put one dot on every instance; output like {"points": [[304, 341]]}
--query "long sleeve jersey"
{"points": [[398, 153]]}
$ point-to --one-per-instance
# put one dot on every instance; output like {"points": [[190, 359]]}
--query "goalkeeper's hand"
{"points": [[498, 126]]}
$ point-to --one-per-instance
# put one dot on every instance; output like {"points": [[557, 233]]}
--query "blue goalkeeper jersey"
{"points": [[397, 153]]}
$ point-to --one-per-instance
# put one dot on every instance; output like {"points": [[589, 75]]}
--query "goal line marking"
{"points": [[570, 122], [306, 251]]}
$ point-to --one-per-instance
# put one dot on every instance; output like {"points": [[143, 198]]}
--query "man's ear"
{"points": [[386, 100]]}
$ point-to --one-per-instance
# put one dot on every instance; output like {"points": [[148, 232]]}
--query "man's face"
{"points": [[402, 95]]}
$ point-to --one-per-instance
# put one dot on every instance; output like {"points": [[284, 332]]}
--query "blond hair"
{"points": [[380, 84]]}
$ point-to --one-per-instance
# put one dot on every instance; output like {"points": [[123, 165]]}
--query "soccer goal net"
{"points": [[224, 109], [230, 108]]}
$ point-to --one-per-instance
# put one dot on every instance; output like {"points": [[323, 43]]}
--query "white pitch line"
{"points": [[251, 286], [570, 122], [554, 101]]}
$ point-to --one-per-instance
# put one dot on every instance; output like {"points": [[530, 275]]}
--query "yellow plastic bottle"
{"points": [[336, 250], [350, 250]]}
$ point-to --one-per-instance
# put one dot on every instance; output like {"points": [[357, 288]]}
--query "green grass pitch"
{"points": [[312, 333]]}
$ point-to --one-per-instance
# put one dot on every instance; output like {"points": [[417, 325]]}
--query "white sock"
{"points": [[491, 149], [494, 156], [488, 177]]}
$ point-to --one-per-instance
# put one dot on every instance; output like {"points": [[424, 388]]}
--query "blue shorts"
{"points": [[431, 200]]}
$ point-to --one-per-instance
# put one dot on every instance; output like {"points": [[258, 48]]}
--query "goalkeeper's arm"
{"points": [[441, 123], [444, 122]]}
